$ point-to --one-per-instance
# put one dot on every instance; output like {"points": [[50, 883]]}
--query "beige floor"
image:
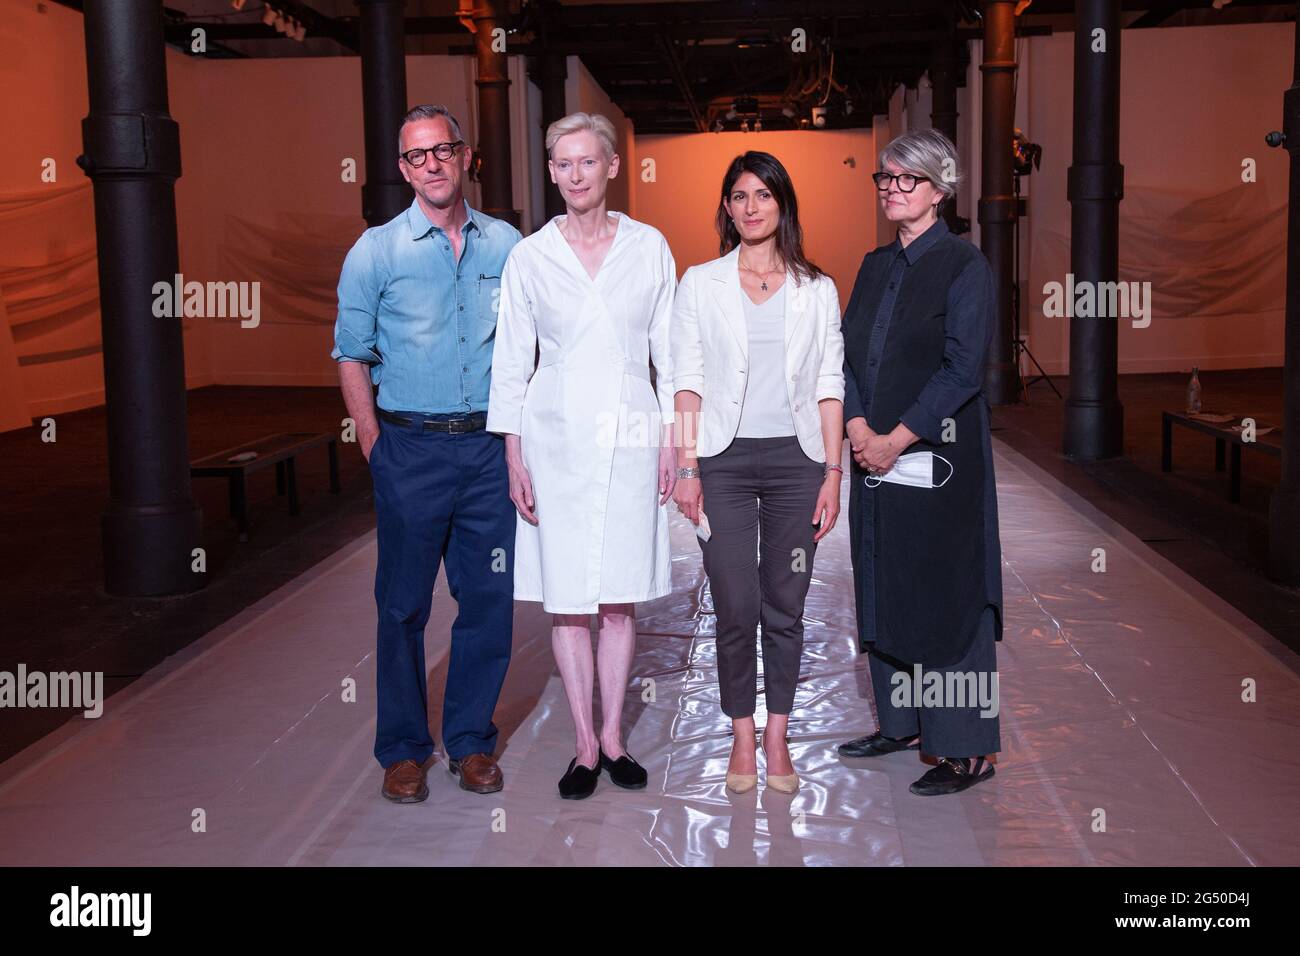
{"points": [[1121, 693]]}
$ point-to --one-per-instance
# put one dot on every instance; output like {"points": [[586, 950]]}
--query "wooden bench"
{"points": [[278, 450], [1224, 436]]}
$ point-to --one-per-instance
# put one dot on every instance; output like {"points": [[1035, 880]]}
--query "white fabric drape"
{"points": [[1204, 255]]}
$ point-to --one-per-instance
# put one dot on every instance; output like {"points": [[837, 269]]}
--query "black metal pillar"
{"points": [[997, 209], [132, 155], [1094, 417], [1284, 506], [943, 88], [383, 102], [552, 71], [493, 84]]}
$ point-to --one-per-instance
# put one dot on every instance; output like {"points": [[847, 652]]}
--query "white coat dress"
{"points": [[588, 420]]}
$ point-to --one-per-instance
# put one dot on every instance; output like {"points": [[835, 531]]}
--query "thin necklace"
{"points": [[763, 280]]}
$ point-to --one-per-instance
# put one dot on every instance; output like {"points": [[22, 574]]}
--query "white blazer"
{"points": [[710, 352]]}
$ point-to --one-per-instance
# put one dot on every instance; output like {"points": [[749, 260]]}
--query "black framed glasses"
{"points": [[906, 181], [443, 151]]}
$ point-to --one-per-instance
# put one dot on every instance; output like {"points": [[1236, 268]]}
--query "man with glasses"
{"points": [[417, 317]]}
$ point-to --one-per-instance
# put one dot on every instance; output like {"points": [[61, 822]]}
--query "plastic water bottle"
{"points": [[1194, 393]]}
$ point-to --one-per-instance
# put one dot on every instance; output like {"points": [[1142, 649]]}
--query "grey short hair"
{"points": [[929, 153], [427, 111], [576, 123]]}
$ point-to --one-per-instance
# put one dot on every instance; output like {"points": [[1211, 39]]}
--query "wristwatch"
{"points": [[688, 472]]}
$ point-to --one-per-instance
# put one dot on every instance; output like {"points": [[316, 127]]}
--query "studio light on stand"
{"points": [[1025, 158]]}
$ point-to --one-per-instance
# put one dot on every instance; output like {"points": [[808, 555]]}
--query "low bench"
{"points": [[278, 450], [1224, 436]]}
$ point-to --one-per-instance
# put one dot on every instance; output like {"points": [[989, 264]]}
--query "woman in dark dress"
{"points": [[922, 500]]}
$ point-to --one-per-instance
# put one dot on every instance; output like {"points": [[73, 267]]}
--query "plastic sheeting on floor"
{"points": [[1126, 739]]}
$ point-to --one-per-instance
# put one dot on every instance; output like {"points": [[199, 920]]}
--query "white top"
{"points": [[588, 420], [711, 352], [765, 410]]}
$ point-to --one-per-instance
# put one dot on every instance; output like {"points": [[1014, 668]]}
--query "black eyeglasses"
{"points": [[444, 151], [906, 181]]}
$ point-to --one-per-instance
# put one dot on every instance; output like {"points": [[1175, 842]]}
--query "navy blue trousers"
{"points": [[441, 497], [946, 730]]}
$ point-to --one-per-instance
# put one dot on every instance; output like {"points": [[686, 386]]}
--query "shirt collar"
{"points": [[421, 227], [922, 243]]}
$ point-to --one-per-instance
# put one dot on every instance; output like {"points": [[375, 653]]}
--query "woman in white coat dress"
{"points": [[588, 441]]}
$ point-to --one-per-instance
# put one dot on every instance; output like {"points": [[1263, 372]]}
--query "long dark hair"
{"points": [[789, 234]]}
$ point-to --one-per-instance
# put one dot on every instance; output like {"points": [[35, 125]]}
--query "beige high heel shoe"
{"points": [[741, 782], [783, 783]]}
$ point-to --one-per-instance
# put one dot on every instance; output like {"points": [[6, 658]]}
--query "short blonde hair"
{"points": [[576, 123]]}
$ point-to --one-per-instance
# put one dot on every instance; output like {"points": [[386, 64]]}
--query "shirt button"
{"points": [[891, 285], [462, 338], [460, 308], [466, 369]]}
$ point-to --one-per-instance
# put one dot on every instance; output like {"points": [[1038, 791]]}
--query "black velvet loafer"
{"points": [[877, 744], [579, 782], [625, 772], [953, 775]]}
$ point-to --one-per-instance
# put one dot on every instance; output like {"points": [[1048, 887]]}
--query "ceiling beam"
{"points": [[1157, 15], [683, 84]]}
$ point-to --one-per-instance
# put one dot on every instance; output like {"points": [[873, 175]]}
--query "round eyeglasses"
{"points": [[906, 181], [443, 151]]}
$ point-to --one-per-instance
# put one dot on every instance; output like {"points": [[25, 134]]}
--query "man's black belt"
{"points": [[452, 426]]}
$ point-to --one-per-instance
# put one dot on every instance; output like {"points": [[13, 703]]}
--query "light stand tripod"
{"points": [[1018, 340]]}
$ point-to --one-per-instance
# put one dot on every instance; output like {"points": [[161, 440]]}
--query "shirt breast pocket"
{"points": [[489, 298]]}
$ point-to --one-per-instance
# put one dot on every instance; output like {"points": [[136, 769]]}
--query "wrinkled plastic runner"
{"points": [[1126, 739]]}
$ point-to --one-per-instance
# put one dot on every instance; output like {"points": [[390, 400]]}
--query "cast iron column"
{"points": [[997, 211], [554, 71], [1094, 417], [383, 104], [493, 112], [943, 88], [1284, 506], [133, 158]]}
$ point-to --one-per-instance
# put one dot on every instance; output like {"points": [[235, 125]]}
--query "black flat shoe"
{"points": [[625, 772], [953, 775], [579, 782], [877, 744]]}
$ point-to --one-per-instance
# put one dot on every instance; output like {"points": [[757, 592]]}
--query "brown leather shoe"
{"points": [[478, 773], [404, 782]]}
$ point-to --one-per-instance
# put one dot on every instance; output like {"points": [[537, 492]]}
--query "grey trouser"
{"points": [[946, 730], [759, 496]]}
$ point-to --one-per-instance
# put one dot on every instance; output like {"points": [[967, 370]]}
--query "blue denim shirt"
{"points": [[422, 321]]}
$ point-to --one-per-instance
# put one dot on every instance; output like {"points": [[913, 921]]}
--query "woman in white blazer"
{"points": [[588, 440], [759, 389]]}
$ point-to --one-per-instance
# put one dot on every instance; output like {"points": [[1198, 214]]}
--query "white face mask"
{"points": [[916, 469]]}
